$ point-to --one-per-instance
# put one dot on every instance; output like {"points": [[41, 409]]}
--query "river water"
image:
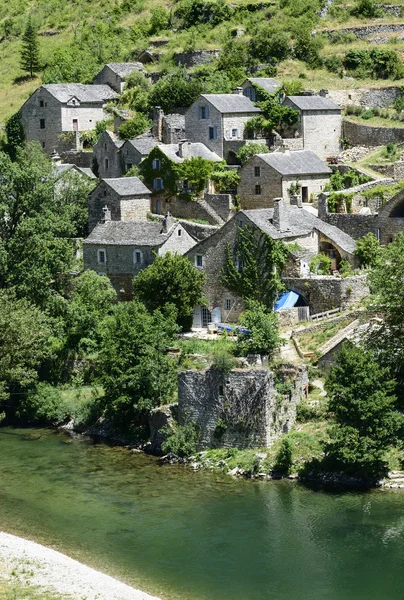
{"points": [[198, 536]]}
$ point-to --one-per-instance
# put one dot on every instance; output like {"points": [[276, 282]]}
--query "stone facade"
{"points": [[384, 224], [320, 130], [260, 183], [213, 208], [368, 98], [126, 207], [358, 134], [45, 118], [393, 170], [221, 130], [196, 58], [239, 409], [115, 75], [326, 292], [363, 31], [107, 155]]}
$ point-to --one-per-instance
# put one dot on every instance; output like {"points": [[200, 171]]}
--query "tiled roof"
{"points": [[231, 103], [193, 150], [269, 84], [125, 69], [127, 186], [300, 222], [313, 103], [296, 162], [129, 233], [85, 93]]}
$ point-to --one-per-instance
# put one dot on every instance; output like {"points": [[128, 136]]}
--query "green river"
{"points": [[198, 536]]}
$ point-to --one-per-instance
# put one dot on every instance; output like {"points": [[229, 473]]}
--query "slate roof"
{"points": [[268, 83], [85, 93], [301, 222], [125, 69], [64, 167], [313, 103], [127, 186], [144, 145], [129, 233], [194, 150], [297, 162], [231, 103], [116, 141]]}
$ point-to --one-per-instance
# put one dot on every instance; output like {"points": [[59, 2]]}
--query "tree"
{"points": [[175, 90], [135, 370], [253, 268], [368, 250], [30, 60], [130, 129], [24, 344], [320, 264], [362, 400], [196, 171], [262, 336], [15, 135], [251, 149], [171, 279], [387, 300]]}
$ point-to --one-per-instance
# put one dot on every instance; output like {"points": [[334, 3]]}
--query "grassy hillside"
{"points": [[78, 36]]}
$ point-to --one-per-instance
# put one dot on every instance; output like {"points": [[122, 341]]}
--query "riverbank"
{"points": [[26, 564]]}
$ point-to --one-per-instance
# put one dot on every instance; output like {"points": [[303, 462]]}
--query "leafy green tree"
{"points": [[135, 370], [284, 458], [196, 171], [368, 250], [181, 441], [15, 135], [29, 54], [130, 129], [159, 19], [387, 300], [251, 149], [171, 279], [175, 90], [269, 43], [263, 331], [320, 264], [253, 270], [274, 114], [362, 400], [24, 344]]}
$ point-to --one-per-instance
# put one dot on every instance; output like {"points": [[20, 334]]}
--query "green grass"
{"points": [[311, 342], [375, 121], [206, 347], [14, 590]]}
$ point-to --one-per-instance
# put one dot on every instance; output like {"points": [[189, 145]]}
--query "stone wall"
{"points": [[326, 292], [371, 98], [321, 132], [221, 204], [197, 130], [394, 170], [239, 409], [363, 31], [367, 135], [80, 158], [195, 209], [198, 57]]}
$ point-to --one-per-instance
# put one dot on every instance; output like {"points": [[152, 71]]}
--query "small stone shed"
{"points": [[115, 74], [120, 199]]}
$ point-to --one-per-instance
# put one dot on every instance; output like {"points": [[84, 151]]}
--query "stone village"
{"points": [[281, 193]]}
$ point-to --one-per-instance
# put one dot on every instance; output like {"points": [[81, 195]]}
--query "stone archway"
{"points": [[398, 210]]}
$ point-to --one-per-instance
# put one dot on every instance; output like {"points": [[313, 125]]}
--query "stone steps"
{"points": [[330, 344], [210, 211]]}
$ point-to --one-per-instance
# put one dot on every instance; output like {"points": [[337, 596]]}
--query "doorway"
{"points": [[305, 193]]}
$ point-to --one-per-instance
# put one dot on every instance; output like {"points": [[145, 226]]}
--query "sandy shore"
{"points": [[42, 567]]}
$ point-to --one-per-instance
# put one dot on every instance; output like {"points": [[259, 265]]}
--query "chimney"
{"points": [[296, 201], [55, 157], [184, 148], [157, 129], [323, 93], [238, 91], [167, 223], [106, 214], [280, 218]]}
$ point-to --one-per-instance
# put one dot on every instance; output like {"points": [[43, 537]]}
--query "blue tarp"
{"points": [[231, 328], [287, 300]]}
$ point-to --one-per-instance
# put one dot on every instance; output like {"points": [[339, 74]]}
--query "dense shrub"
{"points": [[182, 441], [284, 458]]}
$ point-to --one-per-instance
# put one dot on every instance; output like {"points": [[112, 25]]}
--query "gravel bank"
{"points": [[44, 568]]}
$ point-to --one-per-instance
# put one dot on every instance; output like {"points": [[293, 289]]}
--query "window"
{"points": [[234, 133], [43, 145], [102, 257], [75, 125], [106, 164], [213, 133], [199, 260], [41, 103], [258, 190], [179, 232], [228, 304], [105, 192], [203, 112], [137, 257], [257, 171], [239, 264], [42, 123], [156, 163], [158, 184], [221, 390]]}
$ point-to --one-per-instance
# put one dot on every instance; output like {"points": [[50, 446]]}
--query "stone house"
{"points": [[134, 151], [168, 129], [158, 171], [319, 127], [218, 121], [121, 249], [250, 85], [292, 224], [384, 223], [64, 108], [115, 74], [121, 199], [268, 176], [107, 155]]}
